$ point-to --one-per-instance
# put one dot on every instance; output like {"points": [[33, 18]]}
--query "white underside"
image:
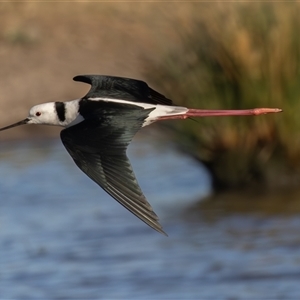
{"points": [[72, 115], [159, 111], [79, 118]]}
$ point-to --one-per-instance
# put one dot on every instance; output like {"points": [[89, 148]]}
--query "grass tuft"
{"points": [[233, 57]]}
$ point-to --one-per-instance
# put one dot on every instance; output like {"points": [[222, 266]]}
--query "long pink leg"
{"points": [[210, 113]]}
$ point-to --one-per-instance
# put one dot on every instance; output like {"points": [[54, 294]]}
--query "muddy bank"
{"points": [[281, 202]]}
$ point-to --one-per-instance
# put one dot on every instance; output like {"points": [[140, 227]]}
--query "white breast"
{"points": [[72, 115]]}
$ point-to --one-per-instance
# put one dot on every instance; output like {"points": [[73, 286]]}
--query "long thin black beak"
{"points": [[23, 122]]}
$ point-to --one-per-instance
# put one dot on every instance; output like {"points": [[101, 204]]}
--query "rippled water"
{"points": [[62, 237]]}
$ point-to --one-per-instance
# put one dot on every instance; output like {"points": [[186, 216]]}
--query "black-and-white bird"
{"points": [[100, 126]]}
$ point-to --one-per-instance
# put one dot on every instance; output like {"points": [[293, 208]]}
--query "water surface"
{"points": [[62, 237]]}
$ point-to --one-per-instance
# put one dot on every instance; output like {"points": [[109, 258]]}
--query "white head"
{"points": [[43, 114], [52, 113]]}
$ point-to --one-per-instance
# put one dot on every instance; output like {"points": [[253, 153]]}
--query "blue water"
{"points": [[62, 237]]}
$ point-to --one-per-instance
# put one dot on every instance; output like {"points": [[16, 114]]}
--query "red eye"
{"points": [[38, 113]]}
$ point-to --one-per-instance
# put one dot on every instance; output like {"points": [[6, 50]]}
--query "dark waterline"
{"points": [[63, 237]]}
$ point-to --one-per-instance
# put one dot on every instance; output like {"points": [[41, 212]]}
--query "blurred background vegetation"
{"points": [[239, 56], [201, 55]]}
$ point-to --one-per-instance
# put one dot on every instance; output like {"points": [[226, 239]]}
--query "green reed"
{"points": [[236, 56]]}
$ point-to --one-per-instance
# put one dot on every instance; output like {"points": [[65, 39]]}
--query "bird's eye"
{"points": [[38, 113]]}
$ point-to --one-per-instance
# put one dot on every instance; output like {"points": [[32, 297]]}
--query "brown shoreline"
{"points": [[43, 46]]}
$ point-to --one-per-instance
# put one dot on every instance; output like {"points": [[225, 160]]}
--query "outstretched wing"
{"points": [[98, 146], [121, 88]]}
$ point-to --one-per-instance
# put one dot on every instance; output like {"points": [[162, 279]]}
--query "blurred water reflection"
{"points": [[62, 237]]}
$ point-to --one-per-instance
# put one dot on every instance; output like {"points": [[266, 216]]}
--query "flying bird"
{"points": [[99, 127]]}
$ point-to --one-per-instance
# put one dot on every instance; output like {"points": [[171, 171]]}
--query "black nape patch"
{"points": [[60, 109]]}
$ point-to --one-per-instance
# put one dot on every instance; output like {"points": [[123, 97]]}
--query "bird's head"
{"points": [[42, 114]]}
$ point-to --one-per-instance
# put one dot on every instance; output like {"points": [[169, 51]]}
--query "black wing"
{"points": [[122, 88], [98, 146]]}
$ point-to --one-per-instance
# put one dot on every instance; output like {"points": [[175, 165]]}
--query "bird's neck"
{"points": [[72, 116]]}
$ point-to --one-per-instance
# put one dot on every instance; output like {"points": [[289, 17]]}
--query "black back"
{"points": [[121, 88]]}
